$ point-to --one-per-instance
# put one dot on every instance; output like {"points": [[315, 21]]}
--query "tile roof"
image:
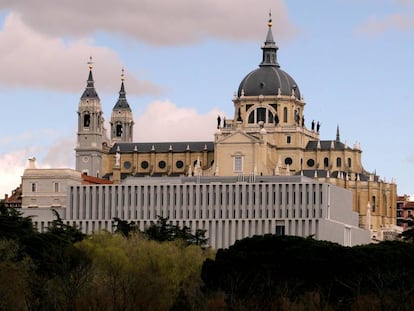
{"points": [[194, 146], [326, 145]]}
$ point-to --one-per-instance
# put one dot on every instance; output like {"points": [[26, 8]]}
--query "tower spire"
{"points": [[338, 139], [122, 102], [122, 120], [90, 91], [269, 48]]}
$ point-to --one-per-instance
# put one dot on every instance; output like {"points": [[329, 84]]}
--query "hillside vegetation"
{"points": [[169, 268]]}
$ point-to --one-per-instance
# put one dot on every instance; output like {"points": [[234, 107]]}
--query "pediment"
{"points": [[238, 137]]}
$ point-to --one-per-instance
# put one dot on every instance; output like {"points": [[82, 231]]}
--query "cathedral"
{"points": [[267, 136]]}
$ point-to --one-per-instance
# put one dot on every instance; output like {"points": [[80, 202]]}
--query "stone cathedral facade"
{"points": [[266, 136]]}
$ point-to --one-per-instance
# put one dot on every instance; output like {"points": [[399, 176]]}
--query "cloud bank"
{"points": [[156, 22], [46, 44], [30, 59], [162, 121], [11, 168], [377, 26], [402, 20]]}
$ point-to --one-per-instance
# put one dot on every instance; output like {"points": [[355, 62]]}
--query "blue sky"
{"points": [[184, 59]]}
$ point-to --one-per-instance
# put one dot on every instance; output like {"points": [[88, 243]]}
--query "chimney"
{"points": [[32, 163]]}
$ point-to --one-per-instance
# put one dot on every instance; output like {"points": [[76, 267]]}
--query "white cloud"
{"points": [[164, 121], [377, 26], [57, 153], [12, 166], [410, 158], [35, 60], [60, 154], [25, 136], [404, 2], [157, 22]]}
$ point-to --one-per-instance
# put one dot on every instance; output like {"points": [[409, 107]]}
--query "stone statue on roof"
{"points": [[117, 158]]}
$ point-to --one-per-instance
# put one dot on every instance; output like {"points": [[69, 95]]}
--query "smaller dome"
{"points": [[268, 80]]}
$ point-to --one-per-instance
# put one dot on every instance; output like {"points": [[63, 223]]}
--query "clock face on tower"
{"points": [[85, 159]]}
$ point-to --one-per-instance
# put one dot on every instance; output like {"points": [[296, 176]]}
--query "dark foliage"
{"points": [[50, 259], [49, 271], [124, 227], [266, 268], [162, 230], [181, 303], [13, 226]]}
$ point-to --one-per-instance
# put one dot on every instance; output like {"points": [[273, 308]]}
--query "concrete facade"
{"points": [[229, 208], [47, 188]]}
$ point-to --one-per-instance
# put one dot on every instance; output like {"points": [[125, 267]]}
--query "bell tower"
{"points": [[90, 130], [122, 121]]}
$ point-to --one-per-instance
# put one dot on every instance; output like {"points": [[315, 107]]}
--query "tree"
{"points": [[125, 228], [13, 226], [136, 273], [199, 238], [14, 281], [61, 269], [162, 230], [273, 271], [67, 233]]}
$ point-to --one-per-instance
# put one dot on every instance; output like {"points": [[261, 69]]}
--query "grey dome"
{"points": [[267, 80]]}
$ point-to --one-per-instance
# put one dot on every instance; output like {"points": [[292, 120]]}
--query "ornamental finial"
{"points": [[90, 63], [123, 75], [269, 23]]}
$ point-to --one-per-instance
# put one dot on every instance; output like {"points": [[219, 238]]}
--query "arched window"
{"points": [[325, 162], [118, 130], [238, 163], [338, 162], [285, 114], [270, 117], [261, 114], [86, 120], [251, 117], [349, 162], [374, 203]]}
